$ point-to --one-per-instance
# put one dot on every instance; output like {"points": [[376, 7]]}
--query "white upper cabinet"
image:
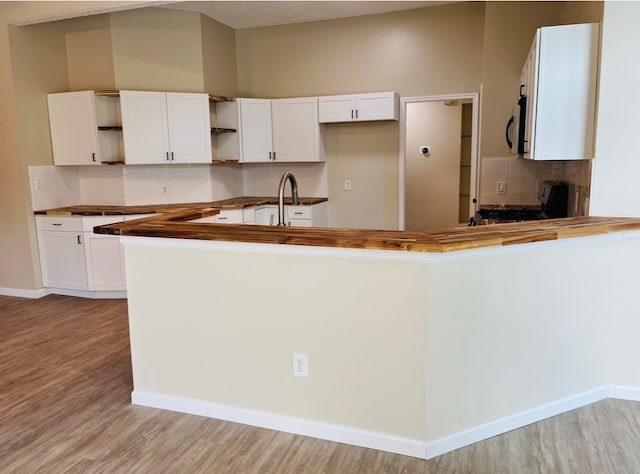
{"points": [[255, 130], [278, 130], [559, 79], [358, 107], [85, 128], [165, 127], [296, 133]]}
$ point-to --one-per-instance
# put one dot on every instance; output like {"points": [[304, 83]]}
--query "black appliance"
{"points": [[554, 197], [554, 200], [515, 132]]}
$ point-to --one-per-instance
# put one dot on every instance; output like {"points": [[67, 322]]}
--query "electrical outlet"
{"points": [[347, 185], [39, 185], [501, 187], [300, 365], [165, 189]]}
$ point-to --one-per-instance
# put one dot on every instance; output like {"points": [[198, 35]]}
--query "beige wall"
{"points": [[157, 49], [409, 52], [219, 58], [38, 64], [90, 53], [420, 52]]}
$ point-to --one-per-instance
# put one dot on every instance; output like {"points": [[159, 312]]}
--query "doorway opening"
{"points": [[438, 161]]}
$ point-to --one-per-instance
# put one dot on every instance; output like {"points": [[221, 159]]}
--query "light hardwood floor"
{"points": [[65, 384]]}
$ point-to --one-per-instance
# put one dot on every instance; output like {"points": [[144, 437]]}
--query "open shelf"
{"points": [[218, 130], [225, 162]]}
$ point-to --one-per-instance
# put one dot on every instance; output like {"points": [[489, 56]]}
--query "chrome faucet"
{"points": [[294, 192]]}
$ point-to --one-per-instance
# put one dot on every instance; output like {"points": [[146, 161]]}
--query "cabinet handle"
{"points": [[79, 243], [270, 156], [167, 156], [56, 224], [274, 156], [222, 218], [93, 157], [297, 213], [356, 113], [171, 156], [352, 114]]}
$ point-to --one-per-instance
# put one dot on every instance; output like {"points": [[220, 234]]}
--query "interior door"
{"points": [[432, 181]]}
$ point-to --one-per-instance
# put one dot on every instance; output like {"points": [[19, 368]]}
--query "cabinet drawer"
{"points": [[229, 216], [299, 212], [88, 223], [60, 223], [300, 223]]}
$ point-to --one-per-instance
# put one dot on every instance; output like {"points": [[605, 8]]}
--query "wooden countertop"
{"points": [[175, 225], [233, 203]]}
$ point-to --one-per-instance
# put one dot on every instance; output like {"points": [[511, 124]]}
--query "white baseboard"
{"points": [[24, 293], [377, 440], [503, 425], [62, 291], [87, 293], [315, 429], [624, 393]]}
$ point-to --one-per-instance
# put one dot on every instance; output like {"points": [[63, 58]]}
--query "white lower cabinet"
{"points": [[307, 216], [104, 256], [62, 256], [266, 215], [73, 257]]}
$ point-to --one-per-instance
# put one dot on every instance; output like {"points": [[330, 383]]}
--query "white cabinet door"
{"points": [[104, 256], [279, 130], [336, 108], [62, 259], [74, 129], [266, 215], [105, 262], [377, 106], [561, 74], [189, 128], [255, 130], [358, 107], [296, 132], [144, 127]]}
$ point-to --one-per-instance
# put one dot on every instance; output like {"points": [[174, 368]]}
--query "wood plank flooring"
{"points": [[65, 384]]}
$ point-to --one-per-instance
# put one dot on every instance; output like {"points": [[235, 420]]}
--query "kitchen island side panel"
{"points": [[220, 326], [528, 329]]}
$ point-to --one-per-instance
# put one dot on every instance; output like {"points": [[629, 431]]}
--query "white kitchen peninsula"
{"points": [[414, 352]]}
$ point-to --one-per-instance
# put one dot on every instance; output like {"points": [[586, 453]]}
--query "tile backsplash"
{"points": [[59, 186], [523, 179]]}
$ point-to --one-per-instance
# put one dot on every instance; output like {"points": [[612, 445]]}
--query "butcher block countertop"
{"points": [[233, 203], [176, 225]]}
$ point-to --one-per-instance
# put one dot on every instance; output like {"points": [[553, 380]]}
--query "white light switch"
{"points": [[347, 185], [501, 187]]}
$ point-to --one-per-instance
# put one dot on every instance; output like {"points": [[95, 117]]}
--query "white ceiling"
{"points": [[250, 14]]}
